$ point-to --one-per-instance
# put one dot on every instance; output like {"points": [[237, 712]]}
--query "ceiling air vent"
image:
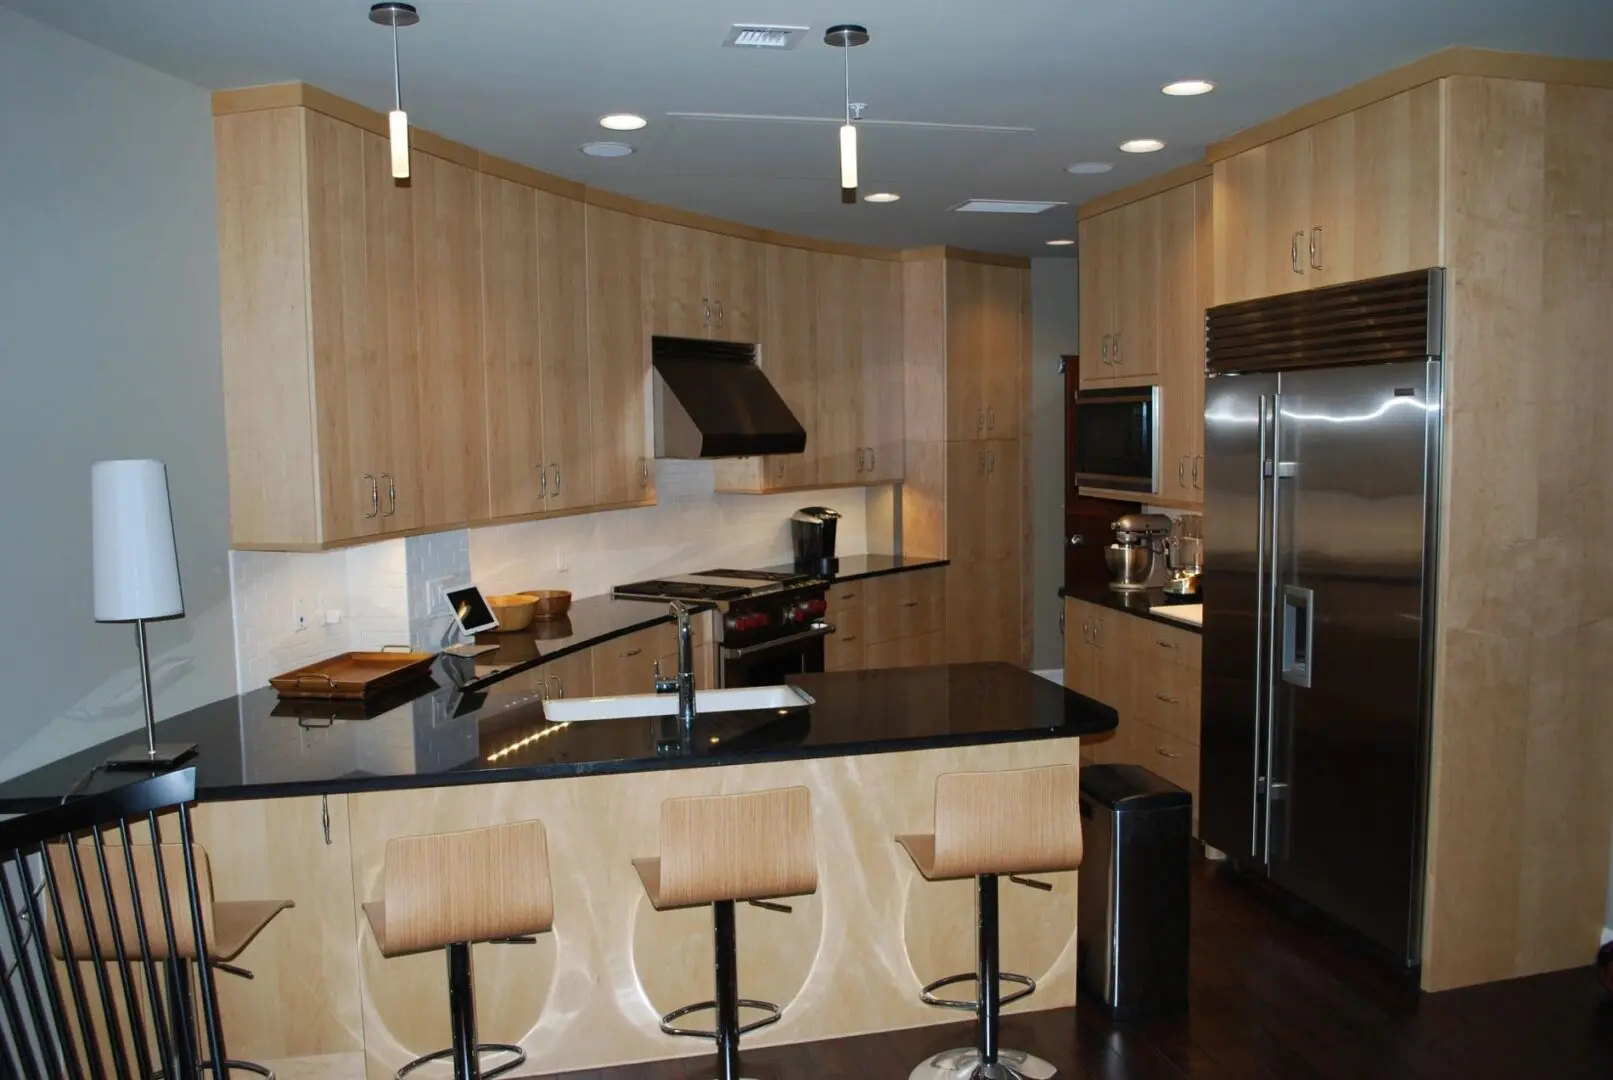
{"points": [[743, 36], [1004, 206]]}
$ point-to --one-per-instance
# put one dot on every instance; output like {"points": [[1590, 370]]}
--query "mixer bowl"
{"points": [[1129, 566]]}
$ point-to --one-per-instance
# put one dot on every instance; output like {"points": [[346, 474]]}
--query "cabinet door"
{"points": [[881, 405], [843, 650], [513, 313], [1288, 215], [967, 331], [626, 665], [983, 612], [348, 370], [1135, 350], [675, 293], [734, 288], [839, 315], [563, 351], [448, 305], [984, 490], [904, 605], [1077, 657], [1375, 190], [618, 359], [921, 650], [789, 355], [1204, 282], [1097, 272], [1002, 371], [1181, 343], [570, 676], [1263, 215]]}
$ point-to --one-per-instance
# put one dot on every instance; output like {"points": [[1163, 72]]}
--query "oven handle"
{"points": [[818, 629]]}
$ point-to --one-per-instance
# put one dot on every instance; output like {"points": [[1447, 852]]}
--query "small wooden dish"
{"points": [[513, 610], [551, 603], [352, 674]]}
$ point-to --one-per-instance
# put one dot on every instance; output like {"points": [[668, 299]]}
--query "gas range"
{"points": [[756, 607]]}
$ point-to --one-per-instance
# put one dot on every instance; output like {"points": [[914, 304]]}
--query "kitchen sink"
{"points": [[1188, 613], [742, 699]]}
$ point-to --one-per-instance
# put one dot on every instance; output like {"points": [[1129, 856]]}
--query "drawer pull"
{"points": [[1162, 752], [631, 652], [847, 596], [910, 603], [1167, 700], [1165, 644], [849, 637]]}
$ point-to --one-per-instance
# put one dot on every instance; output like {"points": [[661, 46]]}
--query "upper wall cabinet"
{"points": [[702, 284], [1121, 253], [618, 359], [1354, 197], [985, 307]]}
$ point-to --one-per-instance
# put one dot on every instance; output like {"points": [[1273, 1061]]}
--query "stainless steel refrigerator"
{"points": [[1322, 449]]}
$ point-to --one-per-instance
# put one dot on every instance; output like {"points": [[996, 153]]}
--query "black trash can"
{"points": [[1132, 936]]}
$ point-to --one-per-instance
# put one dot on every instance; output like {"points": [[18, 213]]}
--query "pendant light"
{"points": [[848, 36], [395, 14]]}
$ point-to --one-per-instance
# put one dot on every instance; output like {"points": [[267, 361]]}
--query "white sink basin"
{"points": [[744, 699], [1188, 613]]}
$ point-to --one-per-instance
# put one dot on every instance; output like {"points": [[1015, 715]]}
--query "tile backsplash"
{"points": [[377, 594]]}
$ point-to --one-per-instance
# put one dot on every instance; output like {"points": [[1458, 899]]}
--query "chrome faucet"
{"points": [[683, 682]]}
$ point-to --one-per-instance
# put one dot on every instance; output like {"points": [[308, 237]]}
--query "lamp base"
{"points": [[161, 756]]}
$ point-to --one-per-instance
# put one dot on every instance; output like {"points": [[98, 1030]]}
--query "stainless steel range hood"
{"points": [[712, 401]]}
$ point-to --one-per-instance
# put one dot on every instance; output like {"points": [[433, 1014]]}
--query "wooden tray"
{"points": [[352, 674]]}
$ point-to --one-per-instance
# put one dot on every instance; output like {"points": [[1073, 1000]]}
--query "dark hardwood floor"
{"points": [[1271, 997]]}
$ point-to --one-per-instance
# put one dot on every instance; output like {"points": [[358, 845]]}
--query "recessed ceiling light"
{"points": [[882, 196], [606, 149], [1188, 88], [1060, 243], [1141, 146], [1004, 206], [1088, 168], [622, 121]]}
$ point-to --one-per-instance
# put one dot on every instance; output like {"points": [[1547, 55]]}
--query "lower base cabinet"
{"points": [[897, 620], [1151, 674]]}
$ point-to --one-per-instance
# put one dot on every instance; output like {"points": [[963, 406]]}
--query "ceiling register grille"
{"points": [[743, 36]]}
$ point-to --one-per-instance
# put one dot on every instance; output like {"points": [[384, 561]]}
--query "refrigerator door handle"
{"points": [[1299, 621], [1262, 693]]}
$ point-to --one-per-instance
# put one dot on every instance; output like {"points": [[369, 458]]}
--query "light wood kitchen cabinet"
{"points": [[904, 605], [1183, 288], [618, 363], [626, 665], [701, 284], [985, 316], [839, 314], [1120, 280], [985, 479], [921, 650], [448, 303], [1356, 196], [570, 676], [880, 416], [844, 650], [1099, 279], [896, 620], [536, 348]]}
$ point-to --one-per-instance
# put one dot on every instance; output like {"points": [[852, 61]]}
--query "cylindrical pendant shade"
{"points": [[398, 125], [136, 566], [848, 156]]}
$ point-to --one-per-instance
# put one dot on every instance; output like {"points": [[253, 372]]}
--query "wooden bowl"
{"points": [[514, 611], [551, 603]]}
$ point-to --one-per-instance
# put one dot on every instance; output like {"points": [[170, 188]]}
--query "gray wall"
{"points": [[109, 347], [1056, 330]]}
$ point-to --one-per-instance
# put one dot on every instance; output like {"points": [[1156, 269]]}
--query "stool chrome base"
{"points": [[774, 1015], [231, 1065], [481, 1048], [964, 1064]]}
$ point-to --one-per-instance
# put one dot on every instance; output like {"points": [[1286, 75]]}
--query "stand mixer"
{"points": [[1136, 558]]}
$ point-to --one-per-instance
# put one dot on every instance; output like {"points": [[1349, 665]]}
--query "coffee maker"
{"points": [[1136, 558], [812, 529]]}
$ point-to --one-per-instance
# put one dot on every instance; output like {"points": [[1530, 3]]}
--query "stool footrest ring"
{"points": [[774, 1015], [481, 1048], [927, 993]]}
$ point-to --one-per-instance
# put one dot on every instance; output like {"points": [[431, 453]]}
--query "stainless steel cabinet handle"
{"points": [[555, 494], [1167, 700], [631, 652], [1181, 470], [779, 472], [1316, 248], [1293, 252], [1162, 752], [1198, 467], [391, 495], [1118, 361], [980, 418], [991, 461], [849, 637], [705, 312], [982, 455], [375, 497], [872, 457], [643, 472], [543, 482], [859, 459], [721, 317], [847, 596], [1165, 644], [1106, 338], [991, 418]]}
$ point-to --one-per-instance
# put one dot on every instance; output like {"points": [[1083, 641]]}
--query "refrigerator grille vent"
{"points": [[1378, 321]]}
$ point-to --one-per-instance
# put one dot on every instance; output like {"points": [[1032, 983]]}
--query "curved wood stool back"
{"points": [[719, 850], [451, 890], [1018, 821]]}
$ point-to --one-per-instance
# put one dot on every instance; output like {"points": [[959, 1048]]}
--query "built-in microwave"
{"points": [[1117, 438]]}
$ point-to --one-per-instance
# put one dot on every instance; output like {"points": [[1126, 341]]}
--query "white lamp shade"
{"points": [[136, 567]]}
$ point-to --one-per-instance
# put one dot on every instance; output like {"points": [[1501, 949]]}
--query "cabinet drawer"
{"points": [[1167, 643], [845, 595], [903, 606], [1167, 696], [626, 665], [920, 650], [1175, 759], [843, 649]]}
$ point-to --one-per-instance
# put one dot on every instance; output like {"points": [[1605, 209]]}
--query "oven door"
{"points": [[1117, 438], [771, 662]]}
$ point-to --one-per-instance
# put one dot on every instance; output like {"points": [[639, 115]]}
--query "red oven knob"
{"points": [[754, 621], [817, 607]]}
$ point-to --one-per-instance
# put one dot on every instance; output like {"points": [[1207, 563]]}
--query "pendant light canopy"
{"points": [[848, 36], [395, 14]]}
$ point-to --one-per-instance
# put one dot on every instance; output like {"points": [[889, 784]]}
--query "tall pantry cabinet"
{"points": [[967, 346]]}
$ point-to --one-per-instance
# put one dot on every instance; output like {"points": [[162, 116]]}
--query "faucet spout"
{"points": [[686, 708]]}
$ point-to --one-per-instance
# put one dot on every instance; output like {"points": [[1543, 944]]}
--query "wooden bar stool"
{"points": [[451, 890], [718, 850], [1024, 821]]}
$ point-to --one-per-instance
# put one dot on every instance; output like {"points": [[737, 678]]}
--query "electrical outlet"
{"points": [[299, 614], [562, 560]]}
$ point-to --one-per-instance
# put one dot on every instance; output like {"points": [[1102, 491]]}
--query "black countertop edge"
{"points": [[1139, 602], [357, 785], [862, 567]]}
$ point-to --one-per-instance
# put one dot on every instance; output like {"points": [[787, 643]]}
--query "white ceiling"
{"points": [[528, 79]]}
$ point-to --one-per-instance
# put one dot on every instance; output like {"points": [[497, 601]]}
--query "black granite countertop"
{"points": [[1140, 602], [257, 746], [857, 567]]}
